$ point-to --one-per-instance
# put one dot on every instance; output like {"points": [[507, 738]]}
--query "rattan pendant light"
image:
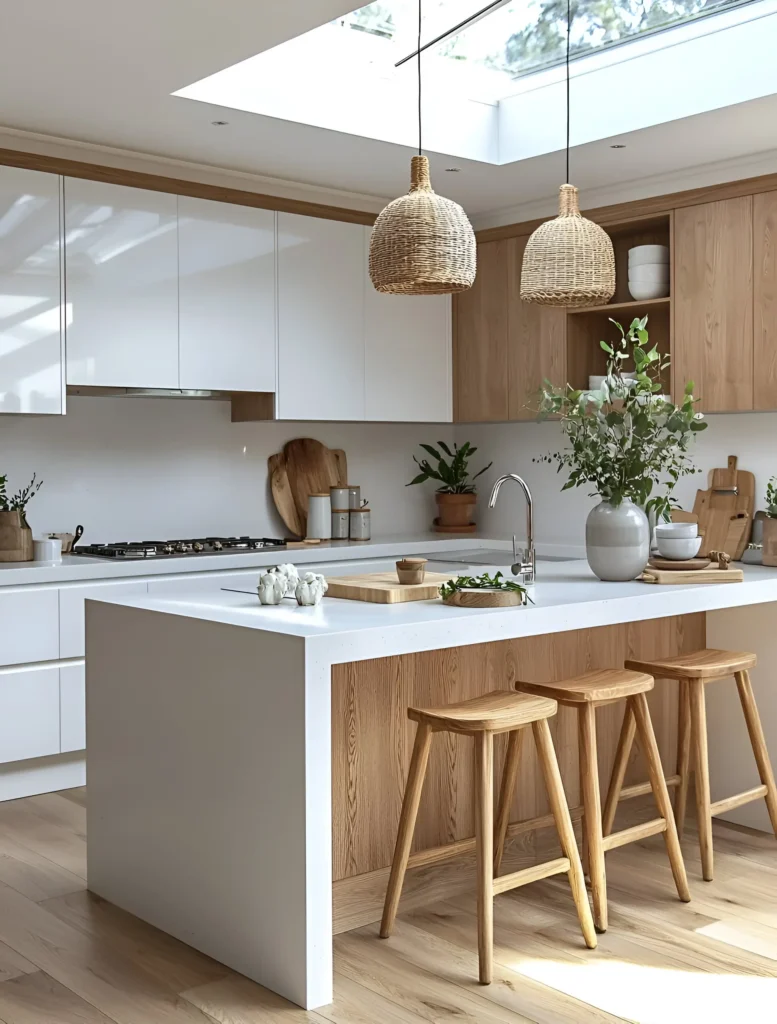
{"points": [[568, 261], [422, 243]]}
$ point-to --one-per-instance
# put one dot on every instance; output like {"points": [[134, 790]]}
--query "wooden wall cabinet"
{"points": [[503, 348], [765, 301], [713, 300]]}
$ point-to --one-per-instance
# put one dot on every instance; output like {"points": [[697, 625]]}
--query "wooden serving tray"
{"points": [[385, 588], [711, 575]]}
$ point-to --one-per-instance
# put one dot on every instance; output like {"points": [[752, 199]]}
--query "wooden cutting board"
{"points": [[711, 575], [725, 511], [385, 588], [304, 467]]}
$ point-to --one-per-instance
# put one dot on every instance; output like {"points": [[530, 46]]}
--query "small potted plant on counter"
{"points": [[770, 524], [456, 497], [15, 532], [629, 443]]}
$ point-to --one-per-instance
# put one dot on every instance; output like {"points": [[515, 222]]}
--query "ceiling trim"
{"points": [[204, 181]]}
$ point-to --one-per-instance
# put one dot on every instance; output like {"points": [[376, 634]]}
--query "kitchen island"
{"points": [[246, 764]]}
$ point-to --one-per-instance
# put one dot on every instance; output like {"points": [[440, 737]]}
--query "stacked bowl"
{"points": [[649, 271]]}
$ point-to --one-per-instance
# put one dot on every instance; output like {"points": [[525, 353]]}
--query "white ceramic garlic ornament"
{"points": [[272, 588], [290, 574], [310, 589]]}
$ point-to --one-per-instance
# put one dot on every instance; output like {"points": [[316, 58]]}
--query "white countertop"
{"points": [[567, 596], [76, 568]]}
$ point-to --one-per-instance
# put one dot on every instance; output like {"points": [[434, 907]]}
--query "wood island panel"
{"points": [[372, 739]]}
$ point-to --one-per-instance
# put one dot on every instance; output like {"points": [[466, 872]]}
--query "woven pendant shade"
{"points": [[422, 243], [568, 261]]}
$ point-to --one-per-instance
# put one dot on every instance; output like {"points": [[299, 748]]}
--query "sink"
{"points": [[485, 556]]}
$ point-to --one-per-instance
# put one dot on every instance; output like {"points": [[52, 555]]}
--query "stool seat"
{"points": [[498, 711], [706, 665], [592, 687]]}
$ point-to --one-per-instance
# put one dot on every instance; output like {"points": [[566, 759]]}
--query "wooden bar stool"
{"points": [[482, 718], [694, 671], [587, 693]]}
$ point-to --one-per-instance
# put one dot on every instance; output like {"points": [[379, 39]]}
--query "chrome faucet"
{"points": [[525, 560]]}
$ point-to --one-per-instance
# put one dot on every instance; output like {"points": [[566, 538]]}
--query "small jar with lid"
{"points": [[340, 523], [360, 526], [319, 517]]}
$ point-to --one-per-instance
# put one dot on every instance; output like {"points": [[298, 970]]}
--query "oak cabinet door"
{"points": [[480, 363], [536, 341], [713, 301], [765, 301]]}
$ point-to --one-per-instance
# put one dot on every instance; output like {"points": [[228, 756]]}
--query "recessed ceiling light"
{"points": [[453, 170], [219, 123], [618, 145]]}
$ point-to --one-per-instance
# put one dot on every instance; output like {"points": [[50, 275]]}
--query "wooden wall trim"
{"points": [[179, 186], [651, 207]]}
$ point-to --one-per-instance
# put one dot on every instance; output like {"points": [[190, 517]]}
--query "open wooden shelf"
{"points": [[621, 307]]}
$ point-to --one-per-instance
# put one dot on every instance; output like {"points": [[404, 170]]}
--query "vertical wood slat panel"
{"points": [[765, 301], [372, 737]]}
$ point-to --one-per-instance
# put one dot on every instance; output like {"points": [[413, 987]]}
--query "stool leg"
{"points": [[701, 774], [407, 819], [758, 743], [592, 813], [647, 738], [509, 776], [484, 838], [625, 743], [566, 834], [683, 754]]}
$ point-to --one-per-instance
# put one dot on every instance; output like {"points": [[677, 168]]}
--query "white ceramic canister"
{"points": [[340, 497], [47, 550], [340, 523], [354, 496], [319, 517], [360, 524]]}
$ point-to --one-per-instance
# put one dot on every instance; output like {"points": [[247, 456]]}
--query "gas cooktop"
{"points": [[178, 548]]}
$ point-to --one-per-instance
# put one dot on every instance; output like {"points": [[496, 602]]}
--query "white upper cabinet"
{"points": [[407, 355], [226, 296], [121, 248], [320, 319], [31, 340]]}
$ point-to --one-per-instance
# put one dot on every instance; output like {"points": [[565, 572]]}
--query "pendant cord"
{"points": [[569, 35], [419, 78]]}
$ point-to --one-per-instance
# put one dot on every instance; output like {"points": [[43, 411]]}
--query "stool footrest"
{"points": [[633, 834], [728, 803], [532, 874], [643, 788]]}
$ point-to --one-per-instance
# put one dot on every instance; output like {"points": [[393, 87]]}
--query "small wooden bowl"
{"points": [[485, 599], [411, 571]]}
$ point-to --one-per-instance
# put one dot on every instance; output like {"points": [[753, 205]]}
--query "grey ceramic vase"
{"points": [[617, 541]]}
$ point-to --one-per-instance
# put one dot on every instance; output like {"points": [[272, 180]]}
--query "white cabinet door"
{"points": [[29, 713], [72, 639], [121, 260], [29, 625], [72, 708], [407, 355], [320, 319], [226, 296], [31, 335]]}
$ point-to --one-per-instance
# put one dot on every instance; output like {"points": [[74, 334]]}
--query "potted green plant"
{"points": [[456, 496], [629, 443], [770, 524], [15, 532]]}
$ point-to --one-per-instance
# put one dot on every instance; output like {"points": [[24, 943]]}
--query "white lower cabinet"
{"points": [[28, 626], [72, 640], [72, 708], [29, 712]]}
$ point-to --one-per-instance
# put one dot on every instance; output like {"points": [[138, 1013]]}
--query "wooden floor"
{"points": [[69, 958]]}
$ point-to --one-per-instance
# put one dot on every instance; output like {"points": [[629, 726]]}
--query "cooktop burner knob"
{"points": [[217, 545], [197, 546], [168, 549], [181, 547]]}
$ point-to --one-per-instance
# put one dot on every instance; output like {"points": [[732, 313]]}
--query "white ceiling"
{"points": [[101, 72]]}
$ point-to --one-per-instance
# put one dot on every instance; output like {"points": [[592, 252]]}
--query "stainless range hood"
{"points": [[78, 390]]}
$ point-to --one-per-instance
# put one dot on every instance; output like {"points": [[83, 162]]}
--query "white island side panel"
{"points": [[209, 791]]}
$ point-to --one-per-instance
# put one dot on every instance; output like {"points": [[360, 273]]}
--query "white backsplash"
{"points": [[560, 516], [151, 468]]}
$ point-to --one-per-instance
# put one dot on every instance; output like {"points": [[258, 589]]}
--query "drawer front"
{"points": [[72, 707], [29, 713], [29, 626], [212, 583], [72, 641]]}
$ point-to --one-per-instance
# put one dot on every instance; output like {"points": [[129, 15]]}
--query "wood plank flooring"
{"points": [[67, 957]]}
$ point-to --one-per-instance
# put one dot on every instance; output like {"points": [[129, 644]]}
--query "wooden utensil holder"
{"points": [[770, 542], [15, 538]]}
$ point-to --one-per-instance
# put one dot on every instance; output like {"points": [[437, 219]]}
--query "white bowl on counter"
{"points": [[674, 530], [678, 548], [641, 254]]}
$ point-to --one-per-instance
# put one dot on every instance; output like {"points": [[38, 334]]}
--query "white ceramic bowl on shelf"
{"points": [[642, 254], [650, 273], [641, 290], [678, 548]]}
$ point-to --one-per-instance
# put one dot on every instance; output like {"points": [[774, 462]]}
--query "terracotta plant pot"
{"points": [[770, 541], [456, 513], [15, 538]]}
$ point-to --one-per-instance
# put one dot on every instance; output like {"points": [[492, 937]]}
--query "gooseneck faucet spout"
{"points": [[525, 560]]}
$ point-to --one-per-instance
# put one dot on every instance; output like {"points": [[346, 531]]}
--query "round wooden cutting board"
{"points": [[674, 565]]}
